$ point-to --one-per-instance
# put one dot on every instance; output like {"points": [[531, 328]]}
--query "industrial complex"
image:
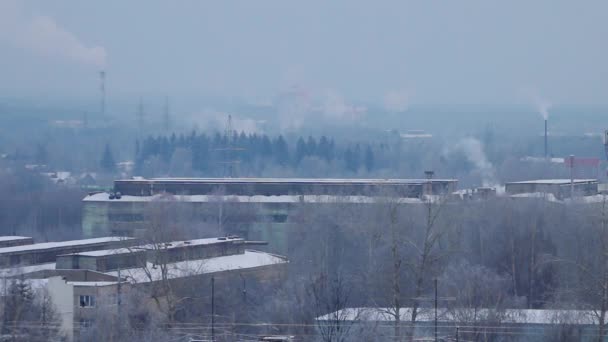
{"points": [[85, 276]]}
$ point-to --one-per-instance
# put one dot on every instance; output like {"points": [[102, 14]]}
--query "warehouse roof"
{"points": [[286, 180], [249, 259], [60, 244], [13, 238], [555, 181]]}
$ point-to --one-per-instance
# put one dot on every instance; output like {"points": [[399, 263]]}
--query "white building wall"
{"points": [[62, 295]]}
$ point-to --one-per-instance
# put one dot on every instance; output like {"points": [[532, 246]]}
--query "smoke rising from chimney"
{"points": [[542, 106], [473, 150], [42, 35]]}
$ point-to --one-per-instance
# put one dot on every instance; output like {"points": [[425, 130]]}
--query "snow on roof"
{"points": [[543, 159], [105, 197], [508, 316], [92, 283], [555, 181], [249, 259], [13, 238], [195, 242], [60, 244], [105, 252], [289, 180], [19, 270], [544, 195], [167, 245], [587, 199]]}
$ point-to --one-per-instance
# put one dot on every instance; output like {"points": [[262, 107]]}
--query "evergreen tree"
{"points": [[369, 158], [18, 304], [323, 148], [281, 151], [107, 160], [300, 151], [311, 146]]}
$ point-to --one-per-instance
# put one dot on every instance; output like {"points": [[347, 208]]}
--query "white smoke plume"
{"points": [[541, 104], [334, 106], [473, 149], [293, 107], [217, 120], [397, 101], [42, 35]]}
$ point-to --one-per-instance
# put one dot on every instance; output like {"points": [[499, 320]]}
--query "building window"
{"points": [[86, 323], [87, 301]]}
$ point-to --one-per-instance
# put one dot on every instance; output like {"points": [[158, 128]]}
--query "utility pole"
{"points": [[435, 309], [229, 150], [213, 309], [571, 176], [119, 303]]}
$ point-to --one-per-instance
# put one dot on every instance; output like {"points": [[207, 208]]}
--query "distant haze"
{"points": [[391, 53]]}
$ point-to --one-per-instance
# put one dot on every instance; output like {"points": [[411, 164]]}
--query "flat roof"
{"points": [[13, 238], [105, 197], [555, 181], [165, 245], [60, 244], [105, 252], [249, 259], [19, 270], [195, 242], [286, 180]]}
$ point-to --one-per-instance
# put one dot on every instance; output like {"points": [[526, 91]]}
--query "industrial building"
{"points": [[457, 324], [9, 241], [282, 186], [263, 204], [39, 253], [560, 188], [82, 282]]}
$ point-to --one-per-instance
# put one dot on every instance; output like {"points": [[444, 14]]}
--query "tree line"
{"points": [[249, 154]]}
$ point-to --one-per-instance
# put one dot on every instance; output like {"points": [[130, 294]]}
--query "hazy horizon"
{"points": [[392, 53]]}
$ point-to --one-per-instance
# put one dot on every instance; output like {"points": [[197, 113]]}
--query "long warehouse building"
{"points": [[255, 208]]}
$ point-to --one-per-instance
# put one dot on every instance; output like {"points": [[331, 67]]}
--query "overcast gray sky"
{"points": [[437, 51]]}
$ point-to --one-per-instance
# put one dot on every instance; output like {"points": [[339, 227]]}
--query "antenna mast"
{"points": [[166, 116], [102, 88], [140, 116], [230, 160]]}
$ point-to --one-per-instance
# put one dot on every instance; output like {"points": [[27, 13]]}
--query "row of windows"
{"points": [[87, 301]]}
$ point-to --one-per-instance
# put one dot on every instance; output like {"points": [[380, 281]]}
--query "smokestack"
{"points": [[546, 147], [102, 88]]}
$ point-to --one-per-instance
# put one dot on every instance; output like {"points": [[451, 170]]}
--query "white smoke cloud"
{"points": [[42, 35], [293, 107], [217, 120], [541, 104], [473, 150], [334, 106], [397, 101]]}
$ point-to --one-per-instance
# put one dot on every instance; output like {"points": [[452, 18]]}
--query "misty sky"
{"points": [[443, 52]]}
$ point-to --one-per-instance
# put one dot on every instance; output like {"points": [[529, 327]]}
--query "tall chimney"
{"points": [[102, 88], [546, 147]]}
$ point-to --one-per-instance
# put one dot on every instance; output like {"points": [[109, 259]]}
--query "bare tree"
{"points": [[331, 296]]}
